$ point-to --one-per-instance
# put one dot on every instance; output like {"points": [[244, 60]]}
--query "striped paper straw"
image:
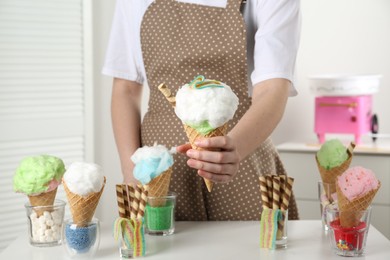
{"points": [[120, 200]]}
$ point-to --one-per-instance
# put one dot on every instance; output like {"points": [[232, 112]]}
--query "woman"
{"points": [[172, 41]]}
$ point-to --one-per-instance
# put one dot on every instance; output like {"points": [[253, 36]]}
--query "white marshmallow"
{"points": [[47, 215], [33, 216], [49, 222]]}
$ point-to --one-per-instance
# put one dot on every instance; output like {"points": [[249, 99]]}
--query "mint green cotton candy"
{"points": [[35, 173], [332, 154], [203, 128]]}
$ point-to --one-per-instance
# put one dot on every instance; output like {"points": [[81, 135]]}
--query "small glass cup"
{"points": [[81, 241], [281, 233], [348, 230], [160, 215], [45, 223], [326, 196]]}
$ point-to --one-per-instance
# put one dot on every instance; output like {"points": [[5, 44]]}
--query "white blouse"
{"points": [[273, 32]]}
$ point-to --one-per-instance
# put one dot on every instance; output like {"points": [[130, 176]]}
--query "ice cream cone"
{"points": [[329, 176], [159, 187], [192, 135], [43, 199], [350, 211], [82, 208]]}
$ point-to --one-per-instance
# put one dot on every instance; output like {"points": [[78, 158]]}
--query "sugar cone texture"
{"points": [[43, 199], [159, 187], [192, 135], [82, 208], [350, 211], [329, 176]]}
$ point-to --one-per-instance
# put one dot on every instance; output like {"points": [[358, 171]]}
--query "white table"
{"points": [[215, 240]]}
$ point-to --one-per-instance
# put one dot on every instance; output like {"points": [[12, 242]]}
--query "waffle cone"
{"points": [[330, 176], [192, 135], [350, 211], [159, 187], [43, 199], [82, 208]]}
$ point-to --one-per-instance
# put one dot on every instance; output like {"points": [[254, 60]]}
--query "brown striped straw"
{"points": [[282, 188], [275, 192], [126, 200], [143, 200], [135, 203], [287, 193], [264, 192], [120, 200], [167, 94], [269, 185], [350, 148], [285, 202], [276, 203], [283, 181]]}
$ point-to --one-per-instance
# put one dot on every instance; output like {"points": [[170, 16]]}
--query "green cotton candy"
{"points": [[203, 128], [34, 173], [332, 154]]}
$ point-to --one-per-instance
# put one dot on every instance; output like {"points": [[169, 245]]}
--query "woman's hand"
{"points": [[219, 160]]}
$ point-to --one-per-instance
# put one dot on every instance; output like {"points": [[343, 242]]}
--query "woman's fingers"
{"points": [[217, 160], [225, 168], [213, 156], [183, 148], [222, 142]]}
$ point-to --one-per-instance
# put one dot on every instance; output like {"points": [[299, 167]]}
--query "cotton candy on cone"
{"points": [[43, 199], [159, 187], [192, 135], [350, 211], [83, 208]]}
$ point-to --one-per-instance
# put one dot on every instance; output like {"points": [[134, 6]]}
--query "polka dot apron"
{"points": [[180, 41]]}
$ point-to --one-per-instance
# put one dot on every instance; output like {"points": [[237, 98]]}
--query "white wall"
{"points": [[338, 36], [105, 153]]}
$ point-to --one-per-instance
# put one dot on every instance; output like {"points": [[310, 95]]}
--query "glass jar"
{"points": [[45, 223], [81, 241]]}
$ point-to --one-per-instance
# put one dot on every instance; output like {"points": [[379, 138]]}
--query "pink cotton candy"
{"points": [[53, 184], [356, 182]]}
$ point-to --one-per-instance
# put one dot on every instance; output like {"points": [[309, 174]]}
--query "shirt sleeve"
{"points": [[123, 50], [278, 25]]}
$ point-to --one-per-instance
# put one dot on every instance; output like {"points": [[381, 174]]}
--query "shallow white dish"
{"points": [[344, 84]]}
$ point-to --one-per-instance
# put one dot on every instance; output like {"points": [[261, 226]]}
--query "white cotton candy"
{"points": [[215, 105], [84, 178]]}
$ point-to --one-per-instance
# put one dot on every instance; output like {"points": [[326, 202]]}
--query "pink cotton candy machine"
{"points": [[343, 105]]}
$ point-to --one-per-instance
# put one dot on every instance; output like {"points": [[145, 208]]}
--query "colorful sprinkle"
{"points": [[80, 239], [200, 82]]}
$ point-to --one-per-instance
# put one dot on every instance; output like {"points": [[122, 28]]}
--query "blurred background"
{"points": [[54, 99]]}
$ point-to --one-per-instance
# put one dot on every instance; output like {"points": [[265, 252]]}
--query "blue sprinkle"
{"points": [[81, 238]]}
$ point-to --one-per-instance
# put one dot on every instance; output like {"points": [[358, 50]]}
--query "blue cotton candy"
{"points": [[150, 162]]}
